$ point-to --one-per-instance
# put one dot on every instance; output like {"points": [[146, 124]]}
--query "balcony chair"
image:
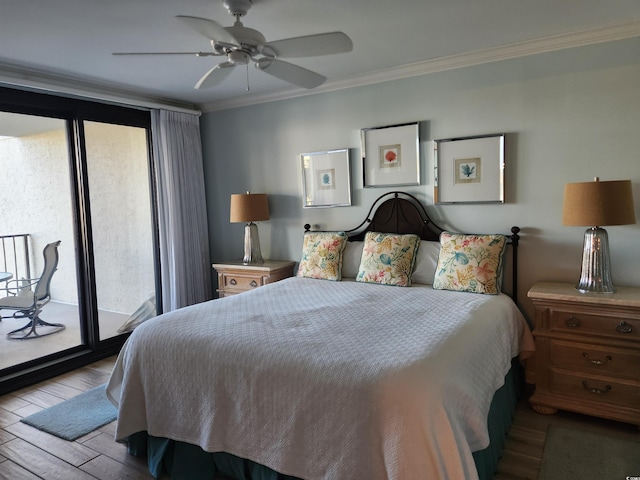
{"points": [[30, 295]]}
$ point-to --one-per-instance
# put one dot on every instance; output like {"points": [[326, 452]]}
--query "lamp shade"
{"points": [[598, 203], [248, 207]]}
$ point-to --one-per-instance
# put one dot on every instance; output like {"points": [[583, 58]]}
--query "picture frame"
{"points": [[326, 180], [391, 155], [469, 169]]}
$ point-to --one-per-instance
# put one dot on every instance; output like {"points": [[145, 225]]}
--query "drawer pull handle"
{"points": [[624, 327], [233, 281], [253, 283], [596, 390], [572, 322], [597, 361]]}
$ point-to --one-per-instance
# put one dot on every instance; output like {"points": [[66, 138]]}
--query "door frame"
{"points": [[74, 112]]}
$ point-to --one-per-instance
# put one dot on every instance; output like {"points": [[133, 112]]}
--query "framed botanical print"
{"points": [[325, 178], [469, 170], [391, 155]]}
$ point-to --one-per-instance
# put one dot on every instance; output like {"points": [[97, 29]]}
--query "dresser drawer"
{"points": [[244, 282], [601, 360], [600, 325], [595, 388], [237, 277]]}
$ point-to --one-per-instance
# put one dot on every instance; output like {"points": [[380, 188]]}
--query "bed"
{"points": [[341, 372]]}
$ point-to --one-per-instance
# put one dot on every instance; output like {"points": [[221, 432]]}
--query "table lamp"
{"points": [[596, 204], [250, 207]]}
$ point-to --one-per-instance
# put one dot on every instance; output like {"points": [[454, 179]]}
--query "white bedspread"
{"points": [[325, 380]]}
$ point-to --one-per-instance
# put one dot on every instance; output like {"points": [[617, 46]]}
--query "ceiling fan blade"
{"points": [[210, 29], [290, 73], [214, 76], [308, 46], [197, 54]]}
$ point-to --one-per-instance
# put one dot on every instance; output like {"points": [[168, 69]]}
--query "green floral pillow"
{"points": [[470, 263], [322, 255], [388, 258]]}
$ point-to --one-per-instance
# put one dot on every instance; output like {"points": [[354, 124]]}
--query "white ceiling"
{"points": [[69, 42]]}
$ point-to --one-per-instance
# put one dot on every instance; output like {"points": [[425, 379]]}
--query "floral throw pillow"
{"points": [[322, 255], [470, 263], [388, 258]]}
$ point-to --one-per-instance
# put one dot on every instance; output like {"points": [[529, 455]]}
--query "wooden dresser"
{"points": [[236, 277], [587, 351]]}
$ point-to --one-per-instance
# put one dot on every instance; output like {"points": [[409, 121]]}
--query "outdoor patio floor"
{"points": [[13, 352]]}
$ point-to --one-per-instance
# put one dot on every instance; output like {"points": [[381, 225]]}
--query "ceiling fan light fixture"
{"points": [[238, 57], [219, 48], [264, 62]]}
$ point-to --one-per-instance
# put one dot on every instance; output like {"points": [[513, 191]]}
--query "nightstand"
{"points": [[587, 351], [236, 277]]}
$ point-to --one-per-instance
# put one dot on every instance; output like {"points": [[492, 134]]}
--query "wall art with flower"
{"points": [[391, 155]]}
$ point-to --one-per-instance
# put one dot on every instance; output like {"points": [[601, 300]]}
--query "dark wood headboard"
{"points": [[397, 212], [401, 212]]}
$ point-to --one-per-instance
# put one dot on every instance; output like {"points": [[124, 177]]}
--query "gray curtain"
{"points": [[184, 234]]}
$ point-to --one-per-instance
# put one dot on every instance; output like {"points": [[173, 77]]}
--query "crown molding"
{"points": [[495, 54], [40, 80]]}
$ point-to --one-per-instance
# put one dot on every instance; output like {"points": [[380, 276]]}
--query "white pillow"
{"points": [[426, 263], [351, 259]]}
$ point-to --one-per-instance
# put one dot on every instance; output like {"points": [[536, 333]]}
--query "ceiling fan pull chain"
{"points": [[247, 77]]}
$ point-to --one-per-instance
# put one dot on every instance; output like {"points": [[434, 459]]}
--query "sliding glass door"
{"points": [[36, 208], [121, 224], [79, 173]]}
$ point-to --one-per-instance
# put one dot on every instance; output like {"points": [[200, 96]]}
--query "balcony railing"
{"points": [[14, 258]]}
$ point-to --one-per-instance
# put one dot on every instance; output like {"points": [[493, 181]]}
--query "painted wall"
{"points": [[568, 115]]}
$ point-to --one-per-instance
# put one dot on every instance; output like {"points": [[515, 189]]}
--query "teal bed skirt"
{"points": [[183, 461]]}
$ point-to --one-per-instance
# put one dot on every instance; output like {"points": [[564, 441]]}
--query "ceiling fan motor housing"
{"points": [[248, 38]]}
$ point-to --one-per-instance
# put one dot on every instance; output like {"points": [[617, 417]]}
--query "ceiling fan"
{"points": [[242, 45]]}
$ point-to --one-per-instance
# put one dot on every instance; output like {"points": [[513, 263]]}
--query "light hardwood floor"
{"points": [[27, 453], [524, 445]]}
